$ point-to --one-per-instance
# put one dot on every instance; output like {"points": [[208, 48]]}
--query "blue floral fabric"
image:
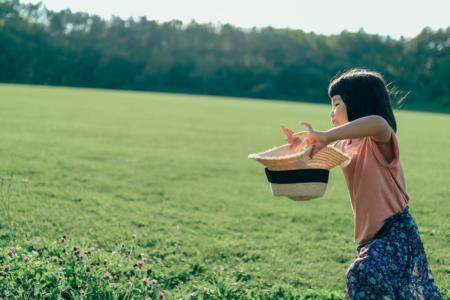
{"points": [[393, 265]]}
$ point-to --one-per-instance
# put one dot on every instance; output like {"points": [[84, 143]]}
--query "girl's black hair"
{"points": [[364, 93]]}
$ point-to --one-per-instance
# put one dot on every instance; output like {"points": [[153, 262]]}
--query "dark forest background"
{"points": [[40, 46]]}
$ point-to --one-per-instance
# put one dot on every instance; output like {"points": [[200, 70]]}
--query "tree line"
{"points": [[40, 46]]}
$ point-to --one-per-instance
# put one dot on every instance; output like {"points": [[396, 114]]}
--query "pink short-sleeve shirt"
{"points": [[377, 188]]}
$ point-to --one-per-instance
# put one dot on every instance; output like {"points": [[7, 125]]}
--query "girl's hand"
{"points": [[294, 141], [317, 139]]}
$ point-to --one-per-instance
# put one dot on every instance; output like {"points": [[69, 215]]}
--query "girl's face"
{"points": [[338, 112]]}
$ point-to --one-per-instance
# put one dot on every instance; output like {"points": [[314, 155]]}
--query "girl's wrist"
{"points": [[330, 136]]}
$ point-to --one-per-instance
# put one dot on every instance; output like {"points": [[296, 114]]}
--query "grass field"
{"points": [[100, 166]]}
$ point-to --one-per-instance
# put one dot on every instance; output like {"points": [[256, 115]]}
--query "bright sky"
{"points": [[386, 17]]}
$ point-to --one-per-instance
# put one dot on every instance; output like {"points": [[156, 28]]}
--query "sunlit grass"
{"points": [[100, 166]]}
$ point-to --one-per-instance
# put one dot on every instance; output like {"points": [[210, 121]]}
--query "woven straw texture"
{"points": [[283, 158]]}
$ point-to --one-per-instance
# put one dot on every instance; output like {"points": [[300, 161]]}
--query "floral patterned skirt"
{"points": [[393, 265]]}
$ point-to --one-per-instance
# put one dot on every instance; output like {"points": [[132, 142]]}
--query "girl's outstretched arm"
{"points": [[374, 126]]}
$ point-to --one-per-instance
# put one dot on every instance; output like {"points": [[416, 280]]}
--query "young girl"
{"points": [[391, 262]]}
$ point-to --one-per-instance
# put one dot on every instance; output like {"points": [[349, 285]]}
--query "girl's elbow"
{"points": [[382, 123], [383, 130]]}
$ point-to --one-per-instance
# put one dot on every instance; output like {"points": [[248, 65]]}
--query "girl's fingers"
{"points": [[311, 153], [307, 125], [310, 140], [314, 151], [292, 140], [301, 135], [294, 145], [287, 131]]}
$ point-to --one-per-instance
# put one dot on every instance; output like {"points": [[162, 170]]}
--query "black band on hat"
{"points": [[297, 176]]}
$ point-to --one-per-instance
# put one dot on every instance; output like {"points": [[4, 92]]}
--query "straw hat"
{"points": [[293, 174], [284, 158]]}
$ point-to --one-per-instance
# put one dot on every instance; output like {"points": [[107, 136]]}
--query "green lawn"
{"points": [[103, 165]]}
